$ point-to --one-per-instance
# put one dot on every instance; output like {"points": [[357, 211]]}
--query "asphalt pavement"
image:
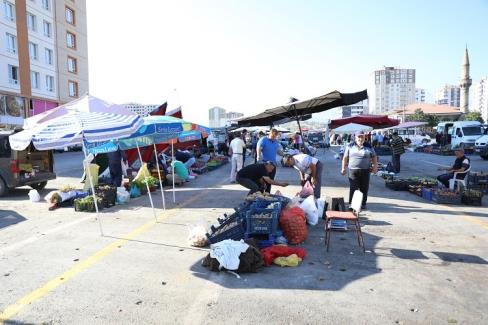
{"points": [[424, 264]]}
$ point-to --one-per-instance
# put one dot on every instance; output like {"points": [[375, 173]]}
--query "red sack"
{"points": [[294, 224], [270, 253]]}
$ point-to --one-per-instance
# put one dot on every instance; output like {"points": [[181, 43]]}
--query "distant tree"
{"points": [[432, 120], [418, 116], [473, 116]]}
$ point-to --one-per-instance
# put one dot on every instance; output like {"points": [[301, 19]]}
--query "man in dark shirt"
{"points": [[115, 166], [397, 150], [255, 177], [461, 164]]}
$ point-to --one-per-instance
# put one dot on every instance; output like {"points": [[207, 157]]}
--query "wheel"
{"points": [[425, 141], [3, 187], [38, 186]]}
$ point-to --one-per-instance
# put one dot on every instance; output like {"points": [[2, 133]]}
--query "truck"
{"points": [[27, 167], [461, 134]]}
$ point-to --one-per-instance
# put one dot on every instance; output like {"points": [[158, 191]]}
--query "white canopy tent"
{"points": [[352, 128]]}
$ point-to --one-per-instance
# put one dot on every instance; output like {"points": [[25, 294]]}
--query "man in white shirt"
{"points": [[309, 168], [236, 150]]}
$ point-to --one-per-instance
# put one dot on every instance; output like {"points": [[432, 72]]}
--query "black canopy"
{"points": [[301, 110]]}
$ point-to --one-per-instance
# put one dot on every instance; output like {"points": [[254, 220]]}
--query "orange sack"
{"points": [[294, 225]]}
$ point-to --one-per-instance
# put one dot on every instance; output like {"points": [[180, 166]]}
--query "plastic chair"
{"points": [[453, 181], [348, 216]]}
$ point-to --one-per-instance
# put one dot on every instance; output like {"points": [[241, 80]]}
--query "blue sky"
{"points": [[251, 55]]}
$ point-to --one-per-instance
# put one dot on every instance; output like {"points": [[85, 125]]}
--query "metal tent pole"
{"points": [[147, 185], [159, 174], [87, 166], [173, 168]]}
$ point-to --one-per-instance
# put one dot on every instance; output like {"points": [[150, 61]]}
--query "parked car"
{"points": [[481, 142], [465, 133], [27, 167], [414, 135]]}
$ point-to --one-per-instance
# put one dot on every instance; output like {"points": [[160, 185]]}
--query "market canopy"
{"points": [[352, 128], [296, 111], [407, 125], [375, 121], [87, 118]]}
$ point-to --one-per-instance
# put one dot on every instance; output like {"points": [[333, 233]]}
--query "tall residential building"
{"points": [[216, 117], [391, 88], [43, 56], [355, 109], [465, 83], [142, 110], [448, 95], [480, 98]]}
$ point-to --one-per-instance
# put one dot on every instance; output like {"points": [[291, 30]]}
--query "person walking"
{"points": [[309, 168], [267, 149], [358, 157], [397, 150], [255, 177], [236, 150]]}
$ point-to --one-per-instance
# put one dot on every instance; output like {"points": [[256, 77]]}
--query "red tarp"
{"points": [[375, 121]]}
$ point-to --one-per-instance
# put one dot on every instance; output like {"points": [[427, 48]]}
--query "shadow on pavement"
{"points": [[320, 270], [9, 217], [395, 208]]}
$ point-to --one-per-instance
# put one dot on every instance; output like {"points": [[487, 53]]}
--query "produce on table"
{"points": [[67, 188]]}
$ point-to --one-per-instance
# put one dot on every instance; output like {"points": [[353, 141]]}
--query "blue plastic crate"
{"points": [[260, 225], [263, 204], [229, 229], [427, 194]]}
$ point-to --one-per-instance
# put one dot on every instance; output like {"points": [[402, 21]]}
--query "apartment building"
{"points": [[390, 88], [43, 56], [140, 109], [449, 95]]}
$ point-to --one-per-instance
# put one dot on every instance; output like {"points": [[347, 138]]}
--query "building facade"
{"points": [[39, 68], [479, 101], [465, 83], [216, 117], [420, 95], [448, 95], [142, 110], [390, 88], [356, 109]]}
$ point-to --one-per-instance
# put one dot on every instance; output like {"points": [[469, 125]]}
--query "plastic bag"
{"points": [[122, 195], [134, 191], [307, 190], [311, 211], [322, 207], [143, 173], [293, 223], [124, 166], [34, 196], [197, 234], [295, 202]]}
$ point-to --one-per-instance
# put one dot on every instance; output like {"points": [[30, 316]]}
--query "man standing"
{"points": [[358, 157], [309, 168], [255, 177], [461, 164], [115, 166], [267, 150], [397, 150], [236, 150]]}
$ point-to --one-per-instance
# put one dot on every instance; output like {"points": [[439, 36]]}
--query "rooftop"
{"points": [[427, 109]]}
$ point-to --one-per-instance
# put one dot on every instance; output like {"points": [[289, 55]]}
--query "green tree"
{"points": [[418, 116], [473, 116], [432, 120]]}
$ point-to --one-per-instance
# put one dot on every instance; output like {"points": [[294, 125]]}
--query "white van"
{"points": [[465, 133], [482, 141], [414, 135]]}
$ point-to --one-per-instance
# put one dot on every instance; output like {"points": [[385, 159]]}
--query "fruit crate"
{"points": [[415, 189], [472, 197], [397, 185], [446, 197], [262, 221], [86, 205], [230, 229], [261, 204], [107, 193]]}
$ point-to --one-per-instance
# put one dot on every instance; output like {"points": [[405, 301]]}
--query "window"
{"points": [[70, 15], [9, 10], [47, 28], [73, 88], [11, 43], [35, 79], [50, 83], [31, 22], [5, 151], [13, 74], [71, 40], [48, 54], [72, 65], [46, 5], [33, 51]]}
